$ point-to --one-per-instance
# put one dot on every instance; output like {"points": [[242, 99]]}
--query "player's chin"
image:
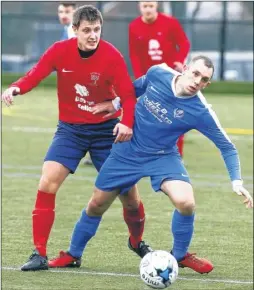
{"points": [[191, 91], [91, 46]]}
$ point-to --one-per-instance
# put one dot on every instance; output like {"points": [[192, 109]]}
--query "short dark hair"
{"points": [[67, 4], [88, 13], [207, 61]]}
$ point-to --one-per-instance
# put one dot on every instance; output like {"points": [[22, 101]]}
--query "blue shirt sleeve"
{"points": [[140, 85], [209, 126]]}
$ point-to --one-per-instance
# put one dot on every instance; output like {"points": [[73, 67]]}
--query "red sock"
{"points": [[180, 143], [43, 218], [135, 220]]}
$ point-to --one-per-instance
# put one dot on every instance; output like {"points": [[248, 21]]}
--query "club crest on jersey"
{"points": [[94, 78], [178, 113]]}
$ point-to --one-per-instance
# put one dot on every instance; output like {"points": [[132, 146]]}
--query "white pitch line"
{"points": [[137, 276]]}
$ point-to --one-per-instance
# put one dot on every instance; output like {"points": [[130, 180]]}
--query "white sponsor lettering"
{"points": [[156, 110]]}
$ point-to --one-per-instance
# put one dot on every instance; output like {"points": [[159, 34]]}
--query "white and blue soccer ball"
{"points": [[158, 269]]}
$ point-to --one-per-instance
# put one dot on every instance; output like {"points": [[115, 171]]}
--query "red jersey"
{"points": [[82, 83], [164, 40]]}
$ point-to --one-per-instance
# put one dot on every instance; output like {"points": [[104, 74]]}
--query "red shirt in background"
{"points": [[164, 40], [82, 83]]}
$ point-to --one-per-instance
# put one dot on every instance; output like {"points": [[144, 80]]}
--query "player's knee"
{"points": [[49, 183], [95, 207], [186, 206], [130, 204]]}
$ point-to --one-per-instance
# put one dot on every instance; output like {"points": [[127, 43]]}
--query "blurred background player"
{"points": [[65, 15], [155, 38], [80, 85]]}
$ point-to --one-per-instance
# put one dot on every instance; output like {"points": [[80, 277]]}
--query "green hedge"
{"points": [[229, 88]]}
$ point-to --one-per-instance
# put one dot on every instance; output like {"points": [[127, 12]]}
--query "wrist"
{"points": [[116, 103], [237, 182]]}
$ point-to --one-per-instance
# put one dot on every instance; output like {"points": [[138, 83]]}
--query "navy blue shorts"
{"points": [[72, 141], [125, 167]]}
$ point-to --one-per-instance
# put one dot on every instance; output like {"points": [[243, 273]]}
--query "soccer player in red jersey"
{"points": [[155, 38], [89, 71]]}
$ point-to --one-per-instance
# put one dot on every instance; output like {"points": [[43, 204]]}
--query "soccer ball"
{"points": [[158, 269]]}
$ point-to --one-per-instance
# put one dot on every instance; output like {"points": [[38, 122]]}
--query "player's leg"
{"points": [[62, 158], [182, 197], [133, 208], [181, 194], [134, 217], [171, 177], [180, 144], [113, 177]]}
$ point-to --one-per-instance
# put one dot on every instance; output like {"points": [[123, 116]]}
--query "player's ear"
{"points": [[185, 67], [208, 84], [75, 29]]}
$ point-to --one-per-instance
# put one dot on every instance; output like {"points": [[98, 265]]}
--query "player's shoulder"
{"points": [[206, 110], [109, 49], [135, 22], [62, 44], [163, 68], [203, 100], [167, 18]]}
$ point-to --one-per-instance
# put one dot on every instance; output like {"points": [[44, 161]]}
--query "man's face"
{"points": [[88, 34], [148, 10], [196, 77], [65, 14]]}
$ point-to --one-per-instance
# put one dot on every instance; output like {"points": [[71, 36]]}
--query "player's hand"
{"points": [[106, 106], [240, 190], [8, 95], [122, 132], [178, 66]]}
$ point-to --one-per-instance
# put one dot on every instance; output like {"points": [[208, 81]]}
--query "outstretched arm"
{"points": [[32, 78], [210, 126]]}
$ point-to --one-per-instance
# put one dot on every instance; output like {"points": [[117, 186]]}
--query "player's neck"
{"points": [[179, 88], [150, 21]]}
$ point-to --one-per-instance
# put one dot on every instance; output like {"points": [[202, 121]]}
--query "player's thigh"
{"points": [[130, 199], [66, 150], [180, 193], [118, 174], [53, 175], [166, 167], [99, 156], [170, 176], [102, 141]]}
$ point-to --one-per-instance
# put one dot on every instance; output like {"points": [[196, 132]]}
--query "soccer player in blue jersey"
{"points": [[170, 104]]}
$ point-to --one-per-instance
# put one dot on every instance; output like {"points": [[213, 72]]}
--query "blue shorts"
{"points": [[125, 167], [72, 141]]}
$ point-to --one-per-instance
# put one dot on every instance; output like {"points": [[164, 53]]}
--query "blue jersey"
{"points": [[161, 118]]}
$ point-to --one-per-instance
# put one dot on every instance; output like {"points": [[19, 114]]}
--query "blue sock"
{"points": [[182, 229], [84, 230]]}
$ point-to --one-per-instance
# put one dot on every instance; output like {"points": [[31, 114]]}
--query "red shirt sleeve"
{"points": [[135, 61], [124, 89], [41, 70], [181, 41]]}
